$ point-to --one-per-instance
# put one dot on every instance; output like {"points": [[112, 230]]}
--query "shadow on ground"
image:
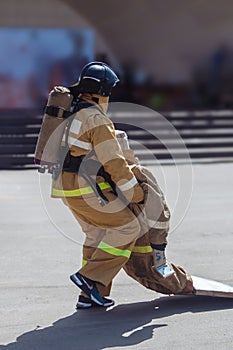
{"points": [[123, 325]]}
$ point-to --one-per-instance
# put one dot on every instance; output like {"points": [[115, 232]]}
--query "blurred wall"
{"points": [[49, 14], [167, 38], [163, 42]]}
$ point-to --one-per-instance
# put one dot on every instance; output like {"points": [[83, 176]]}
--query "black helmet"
{"points": [[96, 78]]}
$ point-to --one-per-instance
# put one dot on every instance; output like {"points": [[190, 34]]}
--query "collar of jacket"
{"points": [[102, 104]]}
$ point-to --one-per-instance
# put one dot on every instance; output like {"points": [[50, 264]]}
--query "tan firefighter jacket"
{"points": [[91, 130]]}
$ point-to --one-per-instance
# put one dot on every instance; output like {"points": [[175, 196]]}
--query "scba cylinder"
{"points": [[54, 122]]}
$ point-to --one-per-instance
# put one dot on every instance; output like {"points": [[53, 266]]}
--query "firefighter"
{"points": [[97, 185], [148, 263]]}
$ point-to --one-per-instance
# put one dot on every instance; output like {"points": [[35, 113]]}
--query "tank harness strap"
{"points": [[86, 167], [57, 112]]}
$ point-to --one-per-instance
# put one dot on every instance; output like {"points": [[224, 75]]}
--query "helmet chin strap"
{"points": [[102, 101]]}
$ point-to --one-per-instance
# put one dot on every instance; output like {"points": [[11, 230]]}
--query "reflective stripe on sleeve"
{"points": [[142, 249], [114, 251], [161, 225], [82, 144], [128, 185], [79, 191]]}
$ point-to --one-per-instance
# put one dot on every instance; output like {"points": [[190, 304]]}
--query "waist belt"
{"points": [[78, 192], [86, 167]]}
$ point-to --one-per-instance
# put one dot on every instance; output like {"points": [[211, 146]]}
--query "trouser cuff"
{"points": [[158, 246]]}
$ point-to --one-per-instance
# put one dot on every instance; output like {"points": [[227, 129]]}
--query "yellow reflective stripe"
{"points": [[142, 249], [84, 262], [79, 191], [114, 251]]}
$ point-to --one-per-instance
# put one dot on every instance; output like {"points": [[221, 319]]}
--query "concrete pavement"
{"points": [[41, 246]]}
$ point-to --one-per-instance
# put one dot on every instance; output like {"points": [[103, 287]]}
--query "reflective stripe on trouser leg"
{"points": [[120, 229], [111, 263], [87, 253], [84, 262], [114, 251], [142, 249]]}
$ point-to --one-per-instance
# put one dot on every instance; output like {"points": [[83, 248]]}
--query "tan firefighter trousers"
{"points": [[140, 264], [111, 232]]}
